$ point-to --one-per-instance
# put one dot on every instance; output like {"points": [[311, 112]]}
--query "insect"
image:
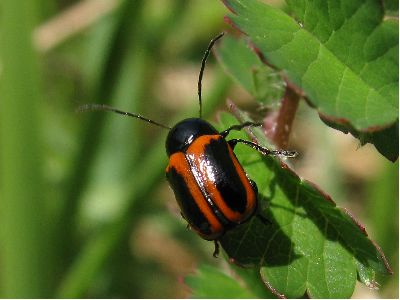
{"points": [[211, 187]]}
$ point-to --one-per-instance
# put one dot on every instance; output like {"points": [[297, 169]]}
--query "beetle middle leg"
{"points": [[187, 225], [216, 249]]}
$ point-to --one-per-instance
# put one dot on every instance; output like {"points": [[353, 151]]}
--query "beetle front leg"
{"points": [[187, 225], [232, 143], [263, 150]]}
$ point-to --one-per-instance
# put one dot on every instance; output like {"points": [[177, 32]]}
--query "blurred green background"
{"points": [[85, 210]]}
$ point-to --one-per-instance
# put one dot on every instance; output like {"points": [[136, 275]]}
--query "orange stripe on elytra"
{"points": [[179, 163], [196, 153]]}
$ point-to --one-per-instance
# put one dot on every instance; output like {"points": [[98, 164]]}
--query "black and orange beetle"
{"points": [[211, 187]]}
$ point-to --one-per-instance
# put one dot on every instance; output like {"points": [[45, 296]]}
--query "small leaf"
{"points": [[342, 54], [210, 282], [311, 245], [243, 65]]}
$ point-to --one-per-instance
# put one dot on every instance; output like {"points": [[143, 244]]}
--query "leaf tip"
{"points": [[377, 247], [270, 287], [373, 285], [383, 257]]}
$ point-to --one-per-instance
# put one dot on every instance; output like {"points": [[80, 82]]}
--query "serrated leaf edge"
{"points": [[250, 131]]}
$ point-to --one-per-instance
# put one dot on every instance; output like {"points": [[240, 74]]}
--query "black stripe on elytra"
{"points": [[187, 203], [221, 217], [226, 177]]}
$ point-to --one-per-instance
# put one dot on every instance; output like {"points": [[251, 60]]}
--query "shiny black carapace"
{"points": [[211, 187]]}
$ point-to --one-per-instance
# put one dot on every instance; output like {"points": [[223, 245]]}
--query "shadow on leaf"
{"points": [[255, 243]]}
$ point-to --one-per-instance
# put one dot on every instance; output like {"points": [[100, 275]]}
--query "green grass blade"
{"points": [[24, 260]]}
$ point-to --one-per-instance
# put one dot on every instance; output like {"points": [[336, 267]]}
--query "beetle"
{"points": [[212, 189]]}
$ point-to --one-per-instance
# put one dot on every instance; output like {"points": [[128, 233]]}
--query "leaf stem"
{"points": [[285, 117]]}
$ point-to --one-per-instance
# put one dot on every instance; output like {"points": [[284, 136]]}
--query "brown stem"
{"points": [[285, 117]]}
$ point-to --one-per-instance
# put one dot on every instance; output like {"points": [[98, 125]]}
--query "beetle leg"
{"points": [[239, 127], [216, 249], [187, 225], [263, 150], [183, 217], [232, 143]]}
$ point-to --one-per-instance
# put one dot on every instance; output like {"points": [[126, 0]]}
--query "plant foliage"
{"points": [[311, 246], [342, 54]]}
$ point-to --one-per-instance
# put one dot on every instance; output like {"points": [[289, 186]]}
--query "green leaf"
{"points": [[386, 141], [311, 245], [209, 282], [342, 54], [243, 65], [26, 255]]}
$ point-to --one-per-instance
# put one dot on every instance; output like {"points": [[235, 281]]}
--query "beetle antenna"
{"points": [[103, 107], [203, 64]]}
